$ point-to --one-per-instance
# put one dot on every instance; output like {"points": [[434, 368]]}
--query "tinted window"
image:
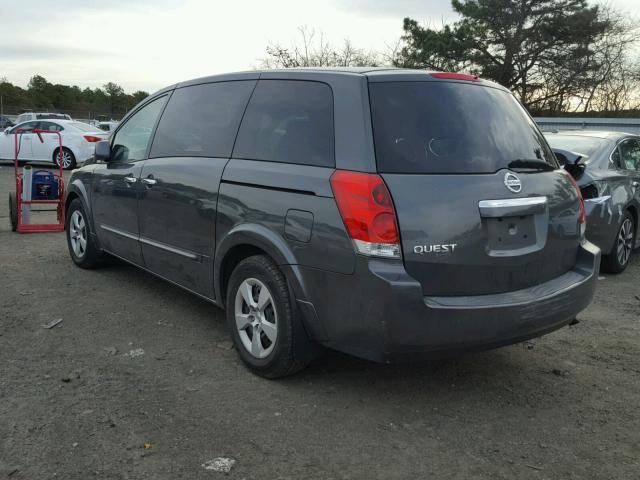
{"points": [[131, 141], [288, 121], [50, 126], [202, 121], [630, 154], [26, 126], [448, 127]]}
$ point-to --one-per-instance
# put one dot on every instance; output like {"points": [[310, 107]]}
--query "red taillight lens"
{"points": [[367, 210], [91, 138], [583, 213], [456, 76]]}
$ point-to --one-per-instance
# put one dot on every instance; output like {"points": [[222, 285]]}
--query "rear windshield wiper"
{"points": [[531, 164]]}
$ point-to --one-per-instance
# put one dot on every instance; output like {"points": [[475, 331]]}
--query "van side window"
{"points": [[132, 139], [288, 121], [202, 120]]}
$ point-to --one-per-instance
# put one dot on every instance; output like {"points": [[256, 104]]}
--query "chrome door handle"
{"points": [[149, 181], [130, 179]]}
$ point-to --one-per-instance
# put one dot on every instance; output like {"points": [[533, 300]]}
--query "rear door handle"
{"points": [[129, 179], [149, 181]]}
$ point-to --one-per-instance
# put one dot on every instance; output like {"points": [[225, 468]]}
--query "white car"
{"points": [[108, 126], [78, 142], [28, 116]]}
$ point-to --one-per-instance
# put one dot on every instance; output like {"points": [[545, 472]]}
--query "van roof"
{"points": [[373, 74]]}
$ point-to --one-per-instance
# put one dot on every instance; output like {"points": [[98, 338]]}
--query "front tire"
{"points": [[68, 158], [618, 259], [261, 318], [82, 247]]}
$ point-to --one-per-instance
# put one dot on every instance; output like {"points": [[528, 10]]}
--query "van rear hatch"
{"points": [[481, 203]]}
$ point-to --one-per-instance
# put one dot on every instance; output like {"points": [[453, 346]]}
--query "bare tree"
{"points": [[313, 50]]}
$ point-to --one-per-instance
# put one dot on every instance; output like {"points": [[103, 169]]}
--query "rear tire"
{"points": [[269, 313], [618, 259], [13, 211], [81, 244], [69, 159]]}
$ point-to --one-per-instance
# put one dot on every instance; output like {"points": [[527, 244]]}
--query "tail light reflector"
{"points": [[91, 138], [367, 211]]}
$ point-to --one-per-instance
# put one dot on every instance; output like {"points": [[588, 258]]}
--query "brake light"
{"points": [[456, 76], [583, 214], [91, 138], [367, 211]]}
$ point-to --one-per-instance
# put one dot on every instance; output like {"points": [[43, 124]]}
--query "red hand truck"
{"points": [[16, 202]]}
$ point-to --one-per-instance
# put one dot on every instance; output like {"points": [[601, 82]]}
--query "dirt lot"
{"points": [[138, 382]]}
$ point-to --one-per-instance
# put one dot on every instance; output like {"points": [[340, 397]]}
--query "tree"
{"points": [[314, 50], [549, 52], [115, 92]]}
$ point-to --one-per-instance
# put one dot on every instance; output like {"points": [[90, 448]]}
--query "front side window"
{"points": [[132, 139], [451, 127], [288, 121], [629, 154], [28, 126], [202, 120]]}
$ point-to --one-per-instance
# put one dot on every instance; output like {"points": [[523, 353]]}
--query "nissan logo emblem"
{"points": [[512, 182]]}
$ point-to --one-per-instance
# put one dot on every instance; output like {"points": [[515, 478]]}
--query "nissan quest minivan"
{"points": [[390, 214]]}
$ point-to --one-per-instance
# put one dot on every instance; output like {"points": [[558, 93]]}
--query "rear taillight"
{"points": [[366, 208], [456, 76], [91, 138], [583, 213]]}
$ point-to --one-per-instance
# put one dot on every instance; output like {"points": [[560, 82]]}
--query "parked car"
{"points": [[78, 142], [5, 122], [107, 126], [390, 214], [30, 116], [610, 187]]}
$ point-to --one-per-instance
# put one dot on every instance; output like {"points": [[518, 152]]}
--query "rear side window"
{"points": [[50, 126], [450, 127], [288, 121], [202, 120]]}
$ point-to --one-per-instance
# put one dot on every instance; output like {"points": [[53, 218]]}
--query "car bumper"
{"points": [[380, 313]]}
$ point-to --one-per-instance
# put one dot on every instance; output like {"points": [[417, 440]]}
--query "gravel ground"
{"points": [[139, 381]]}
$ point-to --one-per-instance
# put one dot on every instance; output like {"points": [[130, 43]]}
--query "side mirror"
{"points": [[103, 151], [572, 162]]}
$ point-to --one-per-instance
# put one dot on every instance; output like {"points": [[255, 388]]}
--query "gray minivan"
{"points": [[391, 214]]}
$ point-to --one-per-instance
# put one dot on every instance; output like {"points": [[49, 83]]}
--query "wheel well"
{"points": [[70, 198], [233, 257]]}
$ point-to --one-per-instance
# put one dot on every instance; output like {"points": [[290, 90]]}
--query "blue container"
{"points": [[44, 186]]}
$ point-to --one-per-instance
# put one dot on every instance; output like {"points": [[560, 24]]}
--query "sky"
{"points": [[149, 44]]}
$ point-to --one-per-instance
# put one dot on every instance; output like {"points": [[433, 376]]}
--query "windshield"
{"points": [[449, 127], [575, 143], [85, 127]]}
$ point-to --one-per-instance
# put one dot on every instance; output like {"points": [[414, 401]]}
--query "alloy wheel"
{"points": [[625, 242], [256, 318], [66, 158], [78, 234]]}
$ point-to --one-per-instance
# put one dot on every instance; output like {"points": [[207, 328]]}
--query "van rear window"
{"points": [[450, 127]]}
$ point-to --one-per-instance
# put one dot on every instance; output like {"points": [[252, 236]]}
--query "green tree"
{"points": [[526, 45]]}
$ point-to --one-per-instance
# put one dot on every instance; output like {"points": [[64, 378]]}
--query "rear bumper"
{"points": [[380, 313]]}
